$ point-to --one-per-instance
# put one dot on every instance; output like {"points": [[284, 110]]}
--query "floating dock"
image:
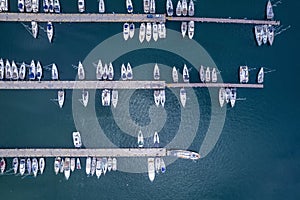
{"points": [[114, 152], [118, 17], [35, 85]]}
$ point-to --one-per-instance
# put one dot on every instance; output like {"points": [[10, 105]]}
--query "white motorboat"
{"points": [[106, 97], [175, 75], [222, 96], [34, 166], [39, 71], [93, 166], [110, 74], [265, 34], [151, 169], [73, 164], [67, 168], [131, 30], [15, 72], [2, 165], [114, 164], [152, 6], [184, 7], [22, 71], [146, 6], [34, 28], [191, 10], [99, 70], [169, 7], [157, 165], [54, 72], [104, 165], [184, 28], [57, 164], [85, 97], [162, 98], [183, 97], [244, 74], [148, 32], [105, 72], [51, 6], [184, 154], [140, 139], [50, 31], [185, 74], [81, 6], [77, 139], [56, 6], [156, 74], [35, 6], [46, 6], [114, 98], [207, 75], [129, 73], [157, 97], [164, 30], [178, 8], [269, 10], [109, 164], [98, 167], [2, 69], [88, 165], [260, 75], [61, 98], [129, 6], [15, 165], [22, 167], [155, 32], [258, 34], [21, 5], [80, 71], [162, 166], [270, 34], [8, 70], [78, 163], [232, 96], [123, 72], [191, 29], [28, 5], [214, 77], [227, 95], [101, 6], [61, 167], [126, 31], [28, 166], [42, 165], [160, 31], [142, 32], [32, 71], [156, 139], [201, 74]]}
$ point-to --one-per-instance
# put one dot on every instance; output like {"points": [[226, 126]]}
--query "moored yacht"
{"points": [[169, 7], [156, 74], [191, 29], [54, 72], [244, 74], [184, 7], [114, 164], [183, 28], [146, 6], [178, 8], [34, 166], [110, 74], [160, 31], [61, 98], [222, 96], [109, 164], [85, 97], [34, 29], [72, 164], [61, 166], [28, 166], [99, 70], [142, 32], [114, 98], [80, 71], [164, 30], [2, 71], [126, 31], [104, 165], [185, 74], [207, 75], [140, 139], [77, 139], [101, 6], [162, 166], [78, 164], [129, 6], [50, 31], [270, 34], [155, 32], [156, 139], [2, 165], [51, 6], [184, 154], [98, 167], [106, 97], [56, 6], [157, 97], [22, 167], [35, 5], [157, 165], [265, 34], [46, 5], [81, 6], [15, 72], [201, 74], [8, 70], [21, 5], [258, 35], [28, 5], [232, 96], [67, 170], [32, 71], [123, 72], [105, 72], [191, 10], [131, 30], [162, 97], [260, 75], [151, 169], [183, 97], [42, 165], [214, 77], [15, 165], [57, 163], [152, 6], [93, 166], [227, 95], [175, 75], [148, 32], [22, 71], [129, 73], [88, 165], [269, 10], [39, 71]]}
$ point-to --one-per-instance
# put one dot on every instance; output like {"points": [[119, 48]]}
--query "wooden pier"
{"points": [[35, 85], [118, 17], [113, 152]]}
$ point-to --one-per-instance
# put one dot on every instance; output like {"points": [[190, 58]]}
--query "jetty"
{"points": [[119, 17], [35, 85]]}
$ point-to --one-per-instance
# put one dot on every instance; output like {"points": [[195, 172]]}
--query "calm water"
{"points": [[256, 156]]}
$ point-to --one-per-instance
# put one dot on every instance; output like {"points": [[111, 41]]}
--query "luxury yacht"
{"points": [[61, 98], [50, 31], [34, 29], [156, 74], [101, 6], [148, 32], [185, 74], [191, 29], [175, 75], [126, 31], [155, 32], [183, 97], [85, 97], [183, 28], [142, 32], [81, 6], [169, 7], [140, 139], [114, 98]]}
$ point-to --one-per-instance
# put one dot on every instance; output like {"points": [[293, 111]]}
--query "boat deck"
{"points": [[29, 85]]}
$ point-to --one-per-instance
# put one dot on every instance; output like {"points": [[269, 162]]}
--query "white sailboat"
{"points": [[28, 5], [156, 97], [93, 166], [146, 6], [42, 165], [101, 6], [169, 7], [152, 6], [269, 10], [34, 166], [85, 97], [232, 96], [175, 75], [32, 71], [151, 170], [22, 167], [22, 71], [34, 28], [15, 72], [88, 165], [156, 139], [185, 74], [51, 6], [105, 72], [2, 70], [114, 98], [56, 6], [106, 97], [183, 97], [258, 34], [184, 28], [54, 72], [148, 32], [244, 74], [162, 97], [73, 164], [78, 164], [67, 170], [131, 30], [156, 74], [8, 70], [76, 139], [50, 31], [222, 96], [80, 71], [28, 166], [21, 5], [184, 7], [129, 6], [260, 75], [2, 165], [46, 6], [178, 8], [109, 164], [104, 165], [39, 71], [57, 164], [270, 34], [61, 167], [99, 70], [35, 5], [140, 139], [142, 32], [15, 165], [81, 6], [214, 77], [155, 32], [162, 165], [110, 74], [129, 73], [191, 10], [98, 167], [126, 31], [191, 29], [164, 30], [207, 75], [265, 34], [114, 164], [201, 74], [123, 72], [157, 165], [61, 98]]}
